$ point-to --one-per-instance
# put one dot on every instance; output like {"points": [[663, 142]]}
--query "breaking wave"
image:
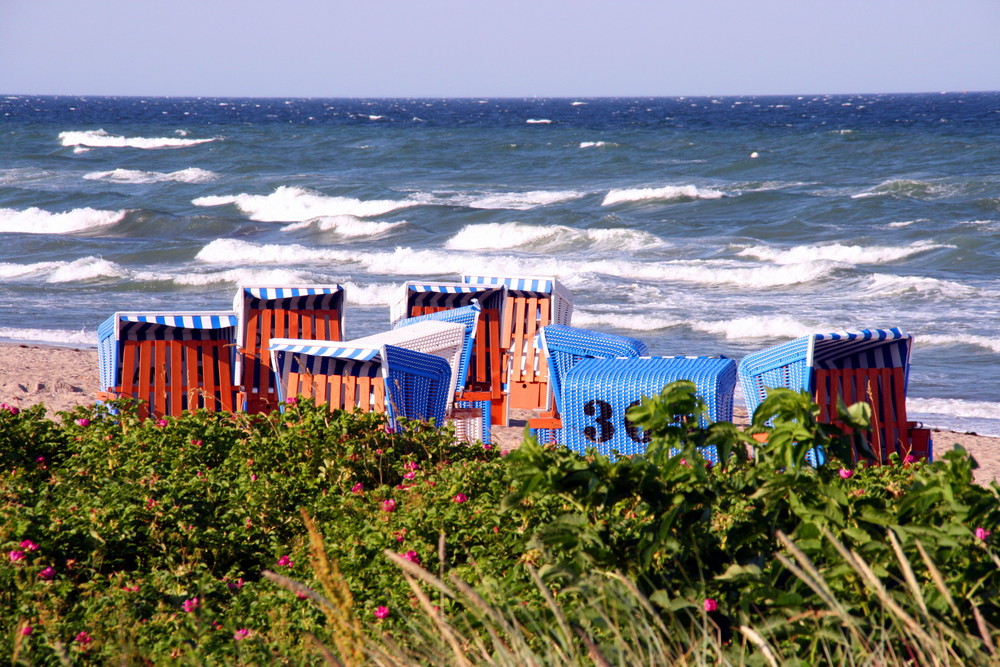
{"points": [[190, 175], [36, 221], [101, 139], [667, 193], [294, 204]]}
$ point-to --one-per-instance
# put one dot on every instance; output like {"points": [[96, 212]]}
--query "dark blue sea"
{"points": [[700, 225]]}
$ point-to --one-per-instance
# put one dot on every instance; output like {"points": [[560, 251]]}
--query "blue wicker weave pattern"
{"points": [[598, 392], [417, 385], [467, 315]]}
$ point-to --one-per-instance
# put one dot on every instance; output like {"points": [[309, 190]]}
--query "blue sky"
{"points": [[473, 48]]}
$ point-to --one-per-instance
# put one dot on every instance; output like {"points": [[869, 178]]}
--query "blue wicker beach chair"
{"points": [[483, 387], [596, 393], [564, 347], [171, 361], [530, 303], [871, 365], [384, 378], [471, 418], [314, 312]]}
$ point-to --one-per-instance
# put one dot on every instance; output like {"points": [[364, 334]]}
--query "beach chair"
{"points": [[385, 379], [359, 374], [871, 365], [483, 387], [564, 347], [171, 361], [314, 312], [471, 418], [529, 304], [597, 393]]}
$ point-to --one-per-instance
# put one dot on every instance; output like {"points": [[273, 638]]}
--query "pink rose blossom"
{"points": [[358, 488], [459, 498], [29, 545], [235, 585], [845, 473], [27, 630], [982, 533], [400, 536], [909, 458], [409, 475], [411, 465], [83, 422], [83, 638], [710, 604], [487, 447], [412, 557], [285, 561], [242, 633], [190, 605], [161, 422], [291, 401], [388, 505], [16, 556], [47, 573], [253, 477], [381, 612]]}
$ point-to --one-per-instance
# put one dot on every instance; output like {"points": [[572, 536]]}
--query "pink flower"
{"points": [[845, 473], [27, 630], [982, 533], [83, 422], [190, 605], [381, 612], [83, 638], [161, 422], [411, 465], [409, 475], [412, 557], [253, 477], [909, 458], [29, 545], [47, 573], [131, 589], [459, 498], [235, 585], [710, 605], [196, 443], [400, 536], [16, 556], [388, 505], [487, 447], [242, 633], [285, 561], [291, 401], [12, 409], [358, 488]]}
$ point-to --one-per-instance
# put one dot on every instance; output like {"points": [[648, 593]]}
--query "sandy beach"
{"points": [[64, 377]]}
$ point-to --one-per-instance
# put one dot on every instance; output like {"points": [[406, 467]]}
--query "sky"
{"points": [[496, 48]]}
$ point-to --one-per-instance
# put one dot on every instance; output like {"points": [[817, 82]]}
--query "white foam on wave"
{"points": [[49, 336], [895, 285], [242, 276], [838, 252], [101, 139], [517, 201], [666, 193], [986, 342], [544, 238], [36, 221], [636, 321], [294, 204], [909, 188], [593, 144], [347, 226], [375, 294], [407, 261], [956, 414], [755, 327], [190, 175], [10, 271], [86, 268], [538, 121]]}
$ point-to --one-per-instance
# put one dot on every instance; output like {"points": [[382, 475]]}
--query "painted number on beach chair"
{"points": [[603, 413]]}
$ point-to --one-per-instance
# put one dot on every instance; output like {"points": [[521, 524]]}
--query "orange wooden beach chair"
{"points": [[171, 361], [313, 312], [869, 366]]}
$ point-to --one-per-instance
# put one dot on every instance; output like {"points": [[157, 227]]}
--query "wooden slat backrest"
{"points": [[177, 375], [262, 325], [339, 392], [883, 389]]}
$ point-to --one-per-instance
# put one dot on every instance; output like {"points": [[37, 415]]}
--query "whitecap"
{"points": [[86, 268], [545, 238], [838, 252], [190, 175], [294, 204], [101, 139], [593, 144], [516, 201], [49, 336], [666, 193], [636, 321], [36, 221], [890, 284], [242, 276], [986, 342], [347, 226], [538, 121], [756, 326]]}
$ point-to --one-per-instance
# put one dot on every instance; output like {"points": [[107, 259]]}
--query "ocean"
{"points": [[699, 225]]}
